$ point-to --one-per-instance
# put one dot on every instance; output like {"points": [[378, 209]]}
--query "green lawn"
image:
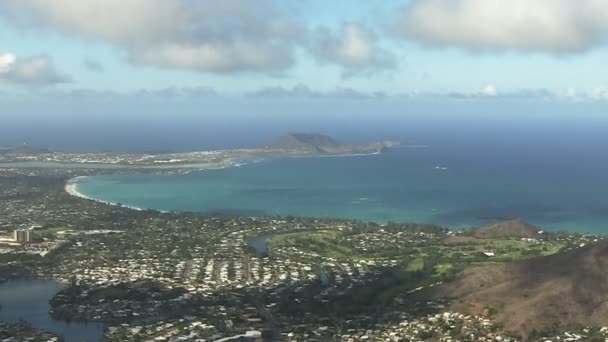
{"points": [[416, 265], [322, 242], [440, 257]]}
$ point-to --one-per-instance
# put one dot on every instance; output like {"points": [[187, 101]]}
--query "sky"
{"points": [[237, 59]]}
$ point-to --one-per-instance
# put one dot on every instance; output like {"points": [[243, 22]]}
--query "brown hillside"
{"points": [[461, 240], [511, 228], [552, 294]]}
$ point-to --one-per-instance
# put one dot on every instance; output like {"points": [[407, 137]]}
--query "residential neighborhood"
{"points": [[158, 276]]}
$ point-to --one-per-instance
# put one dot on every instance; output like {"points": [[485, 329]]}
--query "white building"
{"points": [[22, 235]]}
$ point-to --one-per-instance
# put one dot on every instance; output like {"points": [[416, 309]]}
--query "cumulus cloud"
{"points": [[208, 36], [556, 26], [597, 94], [6, 61], [180, 92], [487, 91], [353, 47], [305, 92], [201, 92], [33, 71]]}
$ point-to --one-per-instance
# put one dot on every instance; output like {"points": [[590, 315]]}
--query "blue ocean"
{"points": [[558, 182]]}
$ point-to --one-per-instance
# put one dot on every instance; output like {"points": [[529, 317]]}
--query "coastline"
{"points": [[71, 187]]}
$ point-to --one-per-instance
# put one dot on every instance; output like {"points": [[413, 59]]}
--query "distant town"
{"points": [[290, 145]]}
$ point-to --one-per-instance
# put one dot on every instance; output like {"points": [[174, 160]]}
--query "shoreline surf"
{"points": [[71, 188]]}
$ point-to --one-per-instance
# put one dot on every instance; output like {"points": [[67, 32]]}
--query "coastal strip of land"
{"points": [[295, 145]]}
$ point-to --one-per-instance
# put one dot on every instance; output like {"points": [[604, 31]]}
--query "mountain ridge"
{"points": [[546, 294], [315, 143]]}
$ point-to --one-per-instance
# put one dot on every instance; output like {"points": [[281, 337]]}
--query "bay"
{"points": [[456, 186]]}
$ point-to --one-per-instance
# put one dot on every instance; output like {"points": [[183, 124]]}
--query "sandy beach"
{"points": [[71, 187]]}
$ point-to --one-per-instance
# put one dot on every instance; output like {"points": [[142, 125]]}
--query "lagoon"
{"points": [[28, 299]]}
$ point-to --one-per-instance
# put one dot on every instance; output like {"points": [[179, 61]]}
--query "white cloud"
{"points": [[556, 26], [210, 36], [489, 90], [199, 93], [486, 93], [6, 61], [597, 94], [34, 71], [218, 57], [353, 47], [304, 92]]}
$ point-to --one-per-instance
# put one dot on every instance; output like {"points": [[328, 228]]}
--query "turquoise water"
{"points": [[452, 185]]}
